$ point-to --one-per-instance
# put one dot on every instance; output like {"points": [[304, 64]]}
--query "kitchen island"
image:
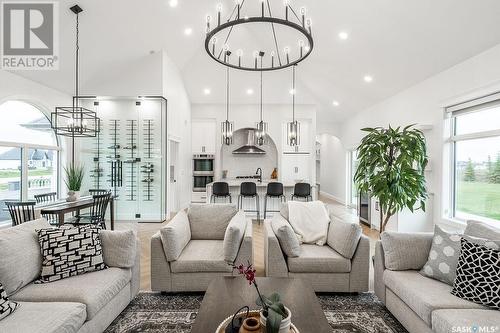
{"points": [[249, 203]]}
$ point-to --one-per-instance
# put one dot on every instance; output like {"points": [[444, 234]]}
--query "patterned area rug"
{"points": [[152, 312]]}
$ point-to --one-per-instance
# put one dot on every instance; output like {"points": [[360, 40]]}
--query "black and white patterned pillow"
{"points": [[478, 274], [6, 306], [70, 251]]}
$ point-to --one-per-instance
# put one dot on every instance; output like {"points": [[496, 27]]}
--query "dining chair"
{"points": [[96, 191], [97, 213], [46, 198], [21, 211]]}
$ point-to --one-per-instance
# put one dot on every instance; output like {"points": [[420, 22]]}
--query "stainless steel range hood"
{"points": [[250, 148]]}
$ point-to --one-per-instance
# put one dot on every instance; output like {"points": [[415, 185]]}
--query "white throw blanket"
{"points": [[309, 220]]}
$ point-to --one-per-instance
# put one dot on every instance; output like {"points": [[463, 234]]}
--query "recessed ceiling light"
{"points": [[249, 91], [343, 35], [188, 31], [206, 91], [335, 103], [368, 78], [173, 3]]}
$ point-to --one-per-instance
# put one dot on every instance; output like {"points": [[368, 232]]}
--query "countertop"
{"points": [[237, 182]]}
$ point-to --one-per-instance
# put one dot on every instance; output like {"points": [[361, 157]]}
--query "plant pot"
{"points": [[285, 322], [73, 196], [250, 325]]}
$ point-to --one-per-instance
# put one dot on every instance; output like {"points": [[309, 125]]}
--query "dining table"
{"points": [[60, 208]]}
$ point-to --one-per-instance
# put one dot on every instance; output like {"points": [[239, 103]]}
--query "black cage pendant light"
{"points": [[261, 133], [75, 121], [293, 128], [227, 126]]}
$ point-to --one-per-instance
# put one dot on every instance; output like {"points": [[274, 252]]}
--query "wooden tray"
{"points": [[251, 313]]}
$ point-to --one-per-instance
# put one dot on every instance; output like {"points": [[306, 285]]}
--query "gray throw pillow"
{"points": [[442, 262], [405, 251], [175, 236], [445, 251], [481, 230], [20, 255], [233, 237], [286, 236], [210, 221], [119, 248], [343, 237]]}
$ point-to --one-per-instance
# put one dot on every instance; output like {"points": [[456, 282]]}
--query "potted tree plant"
{"points": [[74, 178], [391, 166]]}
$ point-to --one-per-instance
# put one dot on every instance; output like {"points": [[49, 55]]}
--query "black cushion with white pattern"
{"points": [[6, 306], [70, 251], [478, 274]]}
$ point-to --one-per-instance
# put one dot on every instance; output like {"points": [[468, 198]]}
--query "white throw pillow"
{"points": [[175, 236], [310, 221]]}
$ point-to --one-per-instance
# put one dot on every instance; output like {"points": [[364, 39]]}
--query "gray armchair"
{"points": [[341, 265], [198, 246]]}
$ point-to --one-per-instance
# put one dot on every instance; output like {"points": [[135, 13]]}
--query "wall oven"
{"points": [[203, 171]]}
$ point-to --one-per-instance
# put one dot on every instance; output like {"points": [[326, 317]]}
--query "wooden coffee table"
{"points": [[225, 296]]}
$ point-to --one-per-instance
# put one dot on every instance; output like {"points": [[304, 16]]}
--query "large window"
{"points": [[476, 160], [28, 154], [353, 190]]}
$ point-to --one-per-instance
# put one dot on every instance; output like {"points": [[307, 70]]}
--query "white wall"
{"points": [[332, 163], [179, 126], [248, 115], [423, 104]]}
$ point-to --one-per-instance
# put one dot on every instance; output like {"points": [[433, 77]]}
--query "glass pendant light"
{"points": [[227, 126], [293, 127], [261, 133]]}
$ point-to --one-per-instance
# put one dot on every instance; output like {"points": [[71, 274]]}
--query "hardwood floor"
{"points": [[146, 230]]}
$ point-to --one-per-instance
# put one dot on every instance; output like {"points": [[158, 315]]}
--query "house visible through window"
{"points": [[28, 154], [476, 160]]}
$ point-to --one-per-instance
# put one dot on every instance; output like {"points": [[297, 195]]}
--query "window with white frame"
{"points": [[28, 154], [475, 159]]}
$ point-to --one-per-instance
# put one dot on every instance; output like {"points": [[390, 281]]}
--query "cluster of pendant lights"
{"points": [[293, 19]]}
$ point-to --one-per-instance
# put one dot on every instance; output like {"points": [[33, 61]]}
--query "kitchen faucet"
{"points": [[259, 174]]}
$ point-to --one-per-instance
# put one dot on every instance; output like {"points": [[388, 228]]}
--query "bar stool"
{"points": [[220, 190], [274, 190], [302, 191], [249, 190]]}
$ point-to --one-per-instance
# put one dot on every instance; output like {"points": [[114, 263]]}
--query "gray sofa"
{"points": [[83, 303], [198, 246], [422, 304], [323, 266]]}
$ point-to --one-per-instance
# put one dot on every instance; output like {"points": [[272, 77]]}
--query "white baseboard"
{"points": [[332, 197]]}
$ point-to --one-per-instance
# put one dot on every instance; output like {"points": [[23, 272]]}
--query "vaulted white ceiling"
{"points": [[398, 42]]}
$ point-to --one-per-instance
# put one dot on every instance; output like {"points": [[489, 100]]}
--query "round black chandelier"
{"points": [[272, 59]]}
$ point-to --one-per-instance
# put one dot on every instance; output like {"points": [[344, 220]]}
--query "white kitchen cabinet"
{"points": [[295, 168], [203, 137], [305, 138]]}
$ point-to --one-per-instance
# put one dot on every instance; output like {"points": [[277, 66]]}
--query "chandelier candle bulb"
{"points": [[303, 13], [219, 11], [262, 7]]}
